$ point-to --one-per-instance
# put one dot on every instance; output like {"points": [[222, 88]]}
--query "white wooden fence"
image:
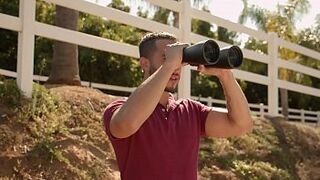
{"points": [[28, 28]]}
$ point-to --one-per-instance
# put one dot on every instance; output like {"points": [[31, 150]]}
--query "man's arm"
{"points": [[238, 120], [126, 120]]}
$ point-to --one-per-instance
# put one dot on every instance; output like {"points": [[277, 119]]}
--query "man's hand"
{"points": [[238, 120], [126, 120], [219, 72], [173, 54]]}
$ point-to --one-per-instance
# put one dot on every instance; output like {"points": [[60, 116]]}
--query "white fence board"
{"points": [[85, 40], [310, 112], [299, 49], [109, 87], [251, 77], [247, 76], [299, 88], [8, 73], [299, 68], [206, 16], [305, 118], [116, 15], [10, 22], [168, 4], [258, 106]]}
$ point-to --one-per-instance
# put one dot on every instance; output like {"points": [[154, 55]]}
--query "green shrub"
{"points": [[46, 149], [259, 170], [45, 114], [10, 94]]}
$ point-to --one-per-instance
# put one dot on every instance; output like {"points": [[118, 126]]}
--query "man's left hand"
{"points": [[219, 72]]}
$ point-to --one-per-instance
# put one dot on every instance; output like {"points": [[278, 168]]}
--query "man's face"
{"points": [[158, 59]]}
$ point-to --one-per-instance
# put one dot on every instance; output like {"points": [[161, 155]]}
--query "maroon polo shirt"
{"points": [[166, 145]]}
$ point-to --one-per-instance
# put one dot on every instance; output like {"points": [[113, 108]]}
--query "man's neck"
{"points": [[164, 99]]}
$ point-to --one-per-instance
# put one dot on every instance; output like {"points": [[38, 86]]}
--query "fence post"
{"points": [[210, 101], [302, 116], [318, 118], [184, 90], [273, 96], [261, 110], [27, 9]]}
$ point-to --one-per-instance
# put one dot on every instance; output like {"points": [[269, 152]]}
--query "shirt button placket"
{"points": [[165, 113]]}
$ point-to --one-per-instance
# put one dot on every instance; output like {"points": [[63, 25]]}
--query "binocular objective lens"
{"points": [[233, 57], [210, 53]]}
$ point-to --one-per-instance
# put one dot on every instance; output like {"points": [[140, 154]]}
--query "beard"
{"points": [[170, 90], [167, 89]]}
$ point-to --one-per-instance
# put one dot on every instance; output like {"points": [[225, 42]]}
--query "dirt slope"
{"points": [[60, 136]]}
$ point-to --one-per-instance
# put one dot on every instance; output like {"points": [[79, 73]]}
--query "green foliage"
{"points": [[282, 21], [227, 36], [9, 7], [202, 28], [104, 67], [161, 15], [46, 149], [202, 85], [259, 170], [118, 4], [10, 94], [8, 49], [45, 114], [257, 155], [45, 12]]}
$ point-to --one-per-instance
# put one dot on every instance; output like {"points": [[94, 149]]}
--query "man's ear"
{"points": [[145, 64]]}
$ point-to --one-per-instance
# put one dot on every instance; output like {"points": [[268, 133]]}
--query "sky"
{"points": [[231, 9]]}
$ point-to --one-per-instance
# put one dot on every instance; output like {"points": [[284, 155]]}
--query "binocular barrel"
{"points": [[209, 54], [201, 53]]}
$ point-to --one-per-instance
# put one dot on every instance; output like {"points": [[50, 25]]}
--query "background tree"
{"points": [[65, 68], [105, 67], [109, 68], [282, 22], [9, 39]]}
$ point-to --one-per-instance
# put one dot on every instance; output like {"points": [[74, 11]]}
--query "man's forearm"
{"points": [[237, 105], [144, 99]]}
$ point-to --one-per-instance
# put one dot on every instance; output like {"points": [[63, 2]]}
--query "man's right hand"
{"points": [[173, 54]]}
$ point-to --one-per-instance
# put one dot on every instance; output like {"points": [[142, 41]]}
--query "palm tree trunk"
{"points": [[284, 103], [65, 67], [176, 20]]}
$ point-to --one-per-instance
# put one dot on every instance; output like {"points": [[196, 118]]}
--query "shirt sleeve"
{"points": [[108, 112], [202, 113]]}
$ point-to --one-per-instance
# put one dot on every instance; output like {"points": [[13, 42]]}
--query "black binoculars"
{"points": [[209, 54]]}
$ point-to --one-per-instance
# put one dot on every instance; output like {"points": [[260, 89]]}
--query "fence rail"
{"points": [[27, 28]]}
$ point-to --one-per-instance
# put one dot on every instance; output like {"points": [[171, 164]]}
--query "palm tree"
{"points": [[65, 68], [283, 23]]}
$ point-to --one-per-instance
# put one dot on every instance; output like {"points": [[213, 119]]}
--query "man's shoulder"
{"points": [[120, 99], [190, 101], [194, 104], [115, 104]]}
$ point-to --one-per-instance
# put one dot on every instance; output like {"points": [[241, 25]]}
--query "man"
{"points": [[157, 137]]}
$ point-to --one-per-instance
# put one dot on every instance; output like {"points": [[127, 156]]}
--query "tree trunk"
{"points": [[65, 67], [284, 103], [176, 20]]}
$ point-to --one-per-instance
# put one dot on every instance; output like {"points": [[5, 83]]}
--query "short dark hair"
{"points": [[148, 43]]}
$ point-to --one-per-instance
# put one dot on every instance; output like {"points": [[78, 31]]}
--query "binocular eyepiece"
{"points": [[209, 54]]}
